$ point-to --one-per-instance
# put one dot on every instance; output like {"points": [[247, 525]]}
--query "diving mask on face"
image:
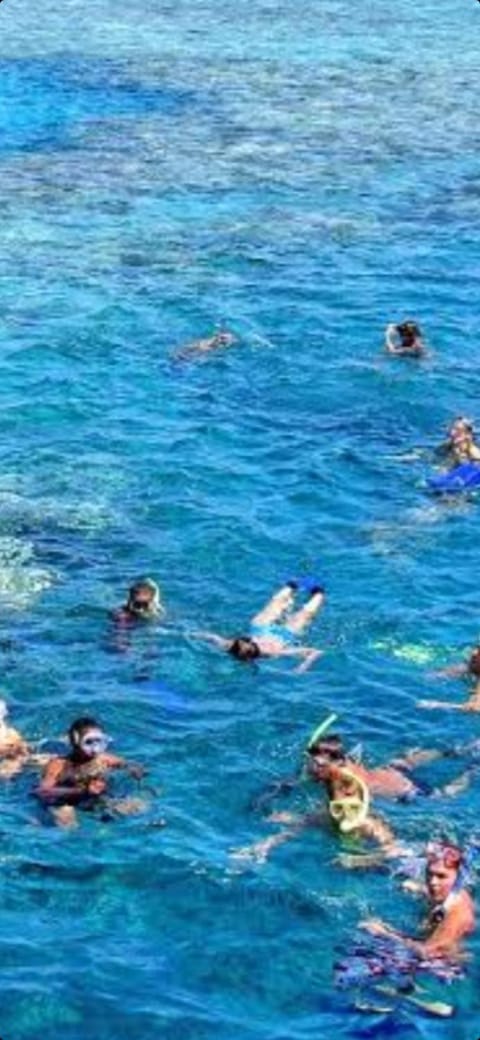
{"points": [[350, 811]]}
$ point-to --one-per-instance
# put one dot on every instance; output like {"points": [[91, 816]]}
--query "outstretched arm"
{"points": [[473, 704], [309, 655], [212, 637]]}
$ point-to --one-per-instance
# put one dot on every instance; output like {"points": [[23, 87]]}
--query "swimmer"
{"points": [[469, 668], [348, 809], [143, 603], [14, 751], [460, 445], [80, 779], [200, 347], [451, 914], [275, 630], [389, 781], [404, 339]]}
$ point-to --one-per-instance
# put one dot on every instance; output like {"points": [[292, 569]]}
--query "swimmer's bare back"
{"points": [[209, 345]]}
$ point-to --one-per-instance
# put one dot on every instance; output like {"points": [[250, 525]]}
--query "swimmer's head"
{"points": [[444, 863], [224, 339], [461, 429], [408, 332], [144, 599], [350, 800], [474, 662], [244, 648], [87, 737], [322, 754]]}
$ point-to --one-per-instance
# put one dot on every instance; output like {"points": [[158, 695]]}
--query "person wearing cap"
{"points": [[79, 780], [404, 340], [470, 668], [451, 911], [276, 630], [14, 751], [143, 603]]}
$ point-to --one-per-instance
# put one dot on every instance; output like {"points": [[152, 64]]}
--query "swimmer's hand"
{"points": [[376, 927], [310, 656], [283, 817], [257, 853], [96, 785], [136, 771], [415, 887]]}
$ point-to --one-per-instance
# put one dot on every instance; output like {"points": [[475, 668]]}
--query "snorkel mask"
{"points": [[139, 605], [350, 811]]}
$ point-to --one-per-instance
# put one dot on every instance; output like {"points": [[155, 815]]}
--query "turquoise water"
{"points": [[301, 175]]}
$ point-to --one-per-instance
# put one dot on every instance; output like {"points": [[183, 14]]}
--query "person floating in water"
{"points": [[392, 780], [143, 603], [275, 631], [470, 668], [460, 445], [451, 911], [404, 339], [201, 347], [349, 809], [80, 779], [14, 751]]}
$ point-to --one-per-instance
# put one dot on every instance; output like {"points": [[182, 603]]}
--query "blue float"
{"points": [[465, 477]]}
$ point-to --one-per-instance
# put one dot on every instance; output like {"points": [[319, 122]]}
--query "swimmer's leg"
{"points": [[299, 621], [276, 607], [416, 757], [65, 816], [456, 786]]}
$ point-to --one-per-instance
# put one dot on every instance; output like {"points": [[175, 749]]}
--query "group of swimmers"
{"points": [[79, 778]]}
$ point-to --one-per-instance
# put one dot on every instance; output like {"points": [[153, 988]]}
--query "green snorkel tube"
{"points": [[318, 732], [321, 729]]}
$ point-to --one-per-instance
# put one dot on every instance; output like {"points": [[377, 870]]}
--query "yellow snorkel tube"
{"points": [[350, 811]]}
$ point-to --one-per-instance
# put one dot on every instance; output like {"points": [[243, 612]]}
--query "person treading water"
{"points": [[80, 779]]}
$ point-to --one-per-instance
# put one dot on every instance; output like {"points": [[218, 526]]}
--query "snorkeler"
{"points": [[470, 668], [460, 445], [392, 780], [451, 915], [14, 751], [404, 339], [143, 603], [80, 779], [275, 630], [348, 809], [200, 347]]}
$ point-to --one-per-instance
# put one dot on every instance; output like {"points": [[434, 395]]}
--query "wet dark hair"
{"points": [[79, 727], [331, 747], [409, 329], [244, 648], [474, 662]]}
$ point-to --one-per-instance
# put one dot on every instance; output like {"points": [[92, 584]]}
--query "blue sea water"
{"points": [[300, 174]]}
